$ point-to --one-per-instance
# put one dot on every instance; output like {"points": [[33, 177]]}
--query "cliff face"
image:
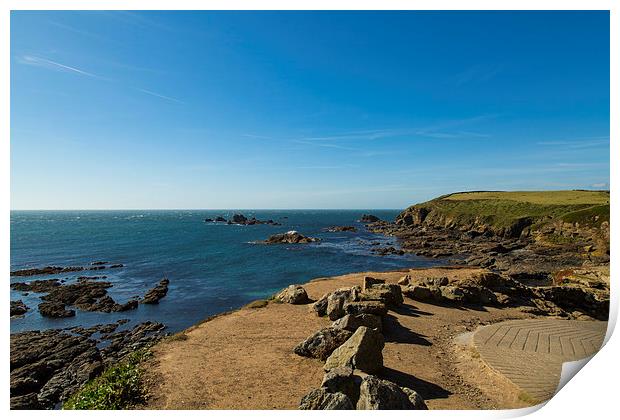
{"points": [[544, 216]]}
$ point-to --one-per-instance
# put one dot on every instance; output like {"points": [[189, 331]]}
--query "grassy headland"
{"points": [[509, 213]]}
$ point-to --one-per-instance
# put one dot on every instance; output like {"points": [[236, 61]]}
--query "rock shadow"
{"points": [[409, 310], [428, 390], [395, 332]]}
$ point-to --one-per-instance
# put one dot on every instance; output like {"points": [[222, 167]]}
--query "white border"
{"points": [[592, 395]]}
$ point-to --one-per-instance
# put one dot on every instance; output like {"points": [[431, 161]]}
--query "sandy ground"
{"points": [[244, 359]]}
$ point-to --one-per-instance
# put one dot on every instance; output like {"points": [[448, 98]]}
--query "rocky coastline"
{"points": [[551, 269]]}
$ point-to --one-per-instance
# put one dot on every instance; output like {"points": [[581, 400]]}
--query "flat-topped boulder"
{"points": [[290, 237], [353, 322], [390, 294], [362, 351], [367, 307]]}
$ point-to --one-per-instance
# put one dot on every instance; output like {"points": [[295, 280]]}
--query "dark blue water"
{"points": [[212, 267]]}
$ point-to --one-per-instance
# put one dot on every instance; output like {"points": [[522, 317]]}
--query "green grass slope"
{"points": [[508, 213]]}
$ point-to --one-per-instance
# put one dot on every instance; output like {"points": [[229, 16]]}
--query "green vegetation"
{"points": [[562, 198], [120, 386], [261, 303], [512, 211]]}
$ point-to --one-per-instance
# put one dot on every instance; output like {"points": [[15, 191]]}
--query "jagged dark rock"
{"points": [[156, 293], [18, 308], [37, 286], [49, 366], [290, 237], [45, 270]]}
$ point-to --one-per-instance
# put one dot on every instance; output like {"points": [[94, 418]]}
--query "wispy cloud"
{"points": [[327, 145], [158, 95], [32, 60], [581, 143]]}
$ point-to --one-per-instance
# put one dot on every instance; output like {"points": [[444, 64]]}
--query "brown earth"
{"points": [[245, 359]]}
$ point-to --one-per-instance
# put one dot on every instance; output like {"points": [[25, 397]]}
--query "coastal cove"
{"points": [[212, 267]]}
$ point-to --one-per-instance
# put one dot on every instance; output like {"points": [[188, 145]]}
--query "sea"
{"points": [[212, 267]]}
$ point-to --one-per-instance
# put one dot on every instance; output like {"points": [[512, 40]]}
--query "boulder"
{"points": [[349, 294], [363, 351], [322, 343], [370, 281], [380, 394], [368, 307], [390, 294], [452, 293], [156, 293], [343, 379], [353, 322], [220, 219], [293, 294], [436, 281], [320, 306], [335, 303], [322, 399], [423, 293]]}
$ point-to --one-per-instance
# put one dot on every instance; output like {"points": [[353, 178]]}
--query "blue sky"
{"points": [[303, 109]]}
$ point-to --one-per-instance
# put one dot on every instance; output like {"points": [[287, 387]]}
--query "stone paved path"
{"points": [[530, 353]]}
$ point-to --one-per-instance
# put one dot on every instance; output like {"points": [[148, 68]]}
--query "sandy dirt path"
{"points": [[244, 359]]}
